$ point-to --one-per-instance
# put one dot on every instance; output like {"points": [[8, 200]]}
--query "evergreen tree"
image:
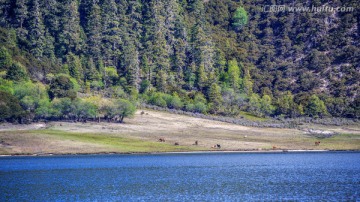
{"points": [[17, 72], [21, 15], [201, 79], [234, 74], [111, 35], [215, 99], [94, 31], [69, 39], [5, 6], [37, 30], [240, 18], [247, 84], [74, 65], [131, 63], [5, 58]]}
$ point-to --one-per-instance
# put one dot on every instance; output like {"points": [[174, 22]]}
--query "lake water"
{"points": [[328, 176]]}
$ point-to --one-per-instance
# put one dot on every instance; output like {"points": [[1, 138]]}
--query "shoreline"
{"points": [[180, 152]]}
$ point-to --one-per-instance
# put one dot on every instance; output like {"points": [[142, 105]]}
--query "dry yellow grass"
{"points": [[141, 133]]}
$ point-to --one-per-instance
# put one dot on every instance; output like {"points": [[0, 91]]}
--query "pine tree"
{"points": [[247, 84], [94, 31], [74, 65], [234, 74], [5, 58], [111, 35], [130, 60], [201, 79], [21, 15], [214, 94], [240, 18], [159, 48], [17, 72], [36, 30], [5, 6], [69, 39]]}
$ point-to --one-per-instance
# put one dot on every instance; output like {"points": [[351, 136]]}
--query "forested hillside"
{"points": [[205, 56]]}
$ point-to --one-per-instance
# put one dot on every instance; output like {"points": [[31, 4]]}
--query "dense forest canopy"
{"points": [[216, 56]]}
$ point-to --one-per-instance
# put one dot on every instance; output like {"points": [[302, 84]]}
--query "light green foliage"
{"points": [[175, 102], [234, 74], [30, 94], [200, 107], [84, 109], [266, 105], [248, 84], [119, 109], [158, 99], [190, 107], [111, 75], [44, 110], [215, 97], [201, 78], [316, 107], [62, 108], [199, 97], [260, 106], [255, 104], [6, 85], [240, 18], [286, 105]]}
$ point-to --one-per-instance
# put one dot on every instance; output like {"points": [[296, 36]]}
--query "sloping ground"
{"points": [[141, 134]]}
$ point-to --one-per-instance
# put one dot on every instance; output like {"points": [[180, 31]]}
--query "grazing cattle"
{"points": [[317, 143], [274, 147], [216, 146], [176, 144], [196, 143], [162, 140]]}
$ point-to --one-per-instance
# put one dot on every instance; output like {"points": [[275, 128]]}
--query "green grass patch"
{"points": [[115, 143], [341, 142], [251, 117]]}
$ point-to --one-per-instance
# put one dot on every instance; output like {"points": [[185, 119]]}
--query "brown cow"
{"points": [[161, 139], [317, 143]]}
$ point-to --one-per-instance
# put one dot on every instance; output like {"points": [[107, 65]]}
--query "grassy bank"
{"points": [[141, 134]]}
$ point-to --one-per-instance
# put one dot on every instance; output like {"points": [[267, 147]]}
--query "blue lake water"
{"points": [[329, 176]]}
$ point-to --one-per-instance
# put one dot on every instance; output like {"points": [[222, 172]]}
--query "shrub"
{"points": [[10, 109], [62, 87], [17, 72], [200, 107]]}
